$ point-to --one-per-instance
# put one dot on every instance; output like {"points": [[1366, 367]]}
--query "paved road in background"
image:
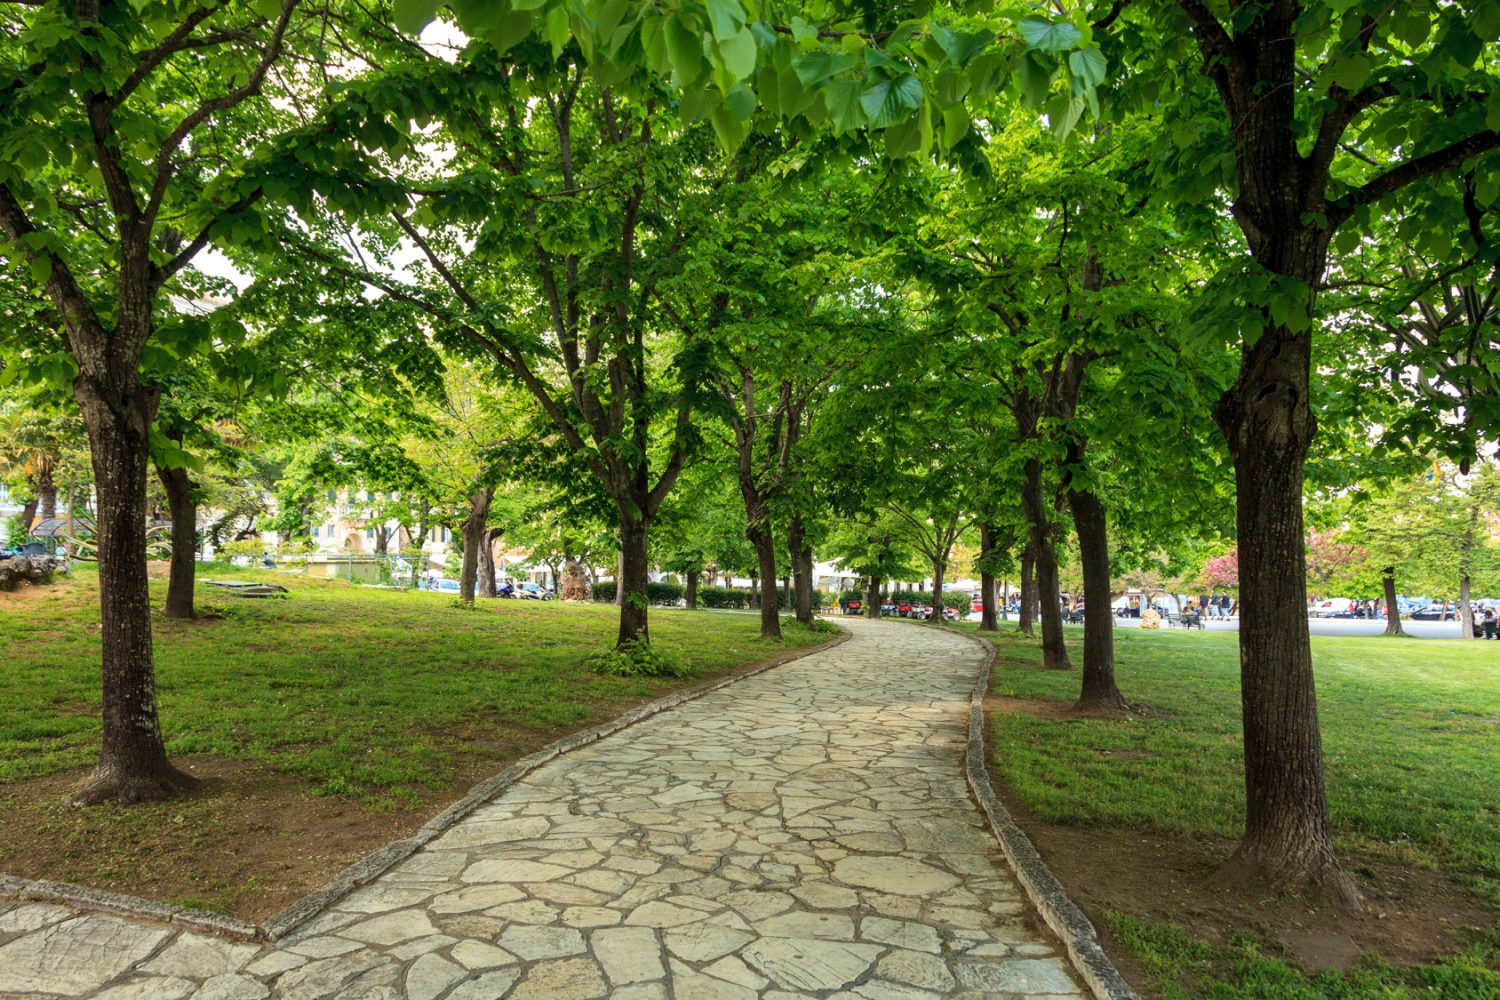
{"points": [[1327, 626]]}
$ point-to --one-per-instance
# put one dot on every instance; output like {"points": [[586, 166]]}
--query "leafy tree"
{"points": [[1318, 114]]}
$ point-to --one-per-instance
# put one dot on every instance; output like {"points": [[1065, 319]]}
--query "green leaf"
{"points": [[1088, 66], [725, 18], [684, 50], [888, 101], [41, 268], [607, 16], [1049, 36], [527, 4], [955, 124], [1351, 72], [730, 130], [842, 99], [738, 53], [815, 67], [741, 102], [1063, 112], [558, 29], [411, 16], [1034, 79], [903, 138], [510, 30]]}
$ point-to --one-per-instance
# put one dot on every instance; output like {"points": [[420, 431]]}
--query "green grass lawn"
{"points": [[363, 691], [1411, 731], [325, 724]]}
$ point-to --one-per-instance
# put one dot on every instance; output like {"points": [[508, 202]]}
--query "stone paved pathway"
{"points": [[802, 833]]}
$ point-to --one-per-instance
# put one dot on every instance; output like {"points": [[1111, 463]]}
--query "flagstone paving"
{"points": [[805, 832]]}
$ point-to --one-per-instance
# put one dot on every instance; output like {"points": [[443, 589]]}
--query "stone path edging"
{"points": [[373, 865], [1046, 893]]}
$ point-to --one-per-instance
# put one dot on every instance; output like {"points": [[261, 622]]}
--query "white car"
{"points": [[1331, 607]]}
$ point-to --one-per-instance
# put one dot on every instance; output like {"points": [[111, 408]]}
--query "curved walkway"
{"points": [[804, 832]]}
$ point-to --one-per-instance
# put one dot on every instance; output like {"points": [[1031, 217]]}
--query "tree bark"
{"points": [[183, 504], [1465, 609], [133, 765], [28, 515], [988, 622], [1027, 616], [872, 598], [1268, 422], [802, 565], [1049, 594], [786, 594], [1392, 608], [46, 491], [759, 533], [939, 568], [690, 593], [635, 573], [1091, 523], [488, 584], [475, 530]]}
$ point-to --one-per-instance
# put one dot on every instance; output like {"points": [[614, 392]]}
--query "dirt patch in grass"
{"points": [[248, 841], [1062, 711], [1413, 916]]}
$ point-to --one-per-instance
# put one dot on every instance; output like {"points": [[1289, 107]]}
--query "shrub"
{"points": [[639, 659], [664, 593], [669, 594]]}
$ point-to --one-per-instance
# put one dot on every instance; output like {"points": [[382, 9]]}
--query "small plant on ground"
{"points": [[639, 659]]}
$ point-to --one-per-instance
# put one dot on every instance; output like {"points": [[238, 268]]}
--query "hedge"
{"points": [[721, 598], [956, 599]]}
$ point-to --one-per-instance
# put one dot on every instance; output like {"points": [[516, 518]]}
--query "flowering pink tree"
{"points": [[1328, 559], [1221, 572]]}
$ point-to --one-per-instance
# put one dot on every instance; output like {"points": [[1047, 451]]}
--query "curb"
{"points": [[378, 862], [1046, 893]]}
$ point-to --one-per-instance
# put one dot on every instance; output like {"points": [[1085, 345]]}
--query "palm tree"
{"points": [[33, 445]]}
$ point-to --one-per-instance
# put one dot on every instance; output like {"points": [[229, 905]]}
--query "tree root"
{"points": [[114, 784], [1314, 874]]}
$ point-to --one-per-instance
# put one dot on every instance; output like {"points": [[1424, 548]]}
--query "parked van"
{"points": [[1332, 608]]}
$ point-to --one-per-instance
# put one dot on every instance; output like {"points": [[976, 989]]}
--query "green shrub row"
{"points": [[956, 599], [722, 598]]}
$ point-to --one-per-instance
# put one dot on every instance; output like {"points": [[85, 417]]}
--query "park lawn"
{"points": [[324, 724], [1411, 732]]}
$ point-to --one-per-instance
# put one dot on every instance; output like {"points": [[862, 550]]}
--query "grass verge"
{"points": [[1135, 810], [323, 724]]}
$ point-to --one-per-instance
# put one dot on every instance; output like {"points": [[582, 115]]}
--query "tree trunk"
{"points": [[28, 515], [939, 567], [1028, 591], [802, 564], [1091, 524], [382, 539], [1049, 594], [475, 530], [487, 584], [872, 598], [1465, 609], [988, 622], [759, 533], [46, 492], [1266, 418], [620, 579], [1392, 608], [690, 594], [183, 504], [133, 765], [635, 573], [786, 594]]}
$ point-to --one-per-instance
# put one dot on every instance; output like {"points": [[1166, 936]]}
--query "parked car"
{"points": [[1335, 607], [443, 586], [533, 592], [855, 605]]}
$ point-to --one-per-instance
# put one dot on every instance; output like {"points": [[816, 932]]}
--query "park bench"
{"points": [[1186, 621]]}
